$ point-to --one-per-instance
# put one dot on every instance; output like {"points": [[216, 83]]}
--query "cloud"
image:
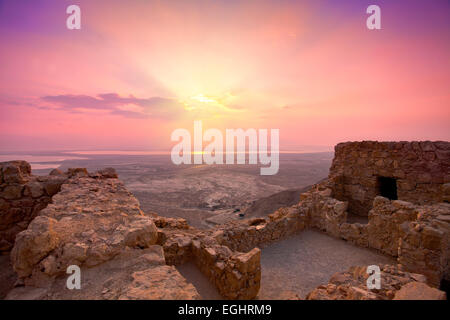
{"points": [[128, 107]]}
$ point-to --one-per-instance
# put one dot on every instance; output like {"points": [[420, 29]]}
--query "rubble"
{"points": [[395, 285]]}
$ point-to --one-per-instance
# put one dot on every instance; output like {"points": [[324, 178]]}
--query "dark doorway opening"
{"points": [[445, 286], [387, 187]]}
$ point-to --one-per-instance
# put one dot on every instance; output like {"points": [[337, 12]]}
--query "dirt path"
{"points": [[193, 275], [303, 262]]}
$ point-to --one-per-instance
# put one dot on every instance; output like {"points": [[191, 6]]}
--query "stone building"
{"points": [[417, 172]]}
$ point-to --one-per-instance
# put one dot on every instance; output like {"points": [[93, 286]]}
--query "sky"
{"points": [[137, 70]]}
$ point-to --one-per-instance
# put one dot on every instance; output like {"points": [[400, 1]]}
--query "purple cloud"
{"points": [[154, 107]]}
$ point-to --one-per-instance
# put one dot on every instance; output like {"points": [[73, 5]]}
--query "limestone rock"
{"points": [[34, 189], [419, 291], [395, 284], [56, 172], [77, 172], [12, 192], [160, 283], [141, 232], [89, 222], [33, 244], [108, 173], [16, 171]]}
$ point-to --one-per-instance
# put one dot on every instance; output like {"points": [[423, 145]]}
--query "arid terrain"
{"points": [[192, 232], [204, 195]]}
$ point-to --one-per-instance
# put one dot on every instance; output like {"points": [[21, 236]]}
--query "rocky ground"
{"points": [[396, 284], [133, 274], [293, 267]]}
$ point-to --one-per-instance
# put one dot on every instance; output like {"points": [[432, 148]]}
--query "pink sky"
{"points": [[137, 70]]}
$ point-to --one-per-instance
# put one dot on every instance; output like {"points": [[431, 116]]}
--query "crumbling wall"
{"points": [[420, 169], [175, 235], [236, 275], [330, 215], [385, 219], [228, 254], [417, 235], [22, 197], [247, 234], [325, 213], [425, 243]]}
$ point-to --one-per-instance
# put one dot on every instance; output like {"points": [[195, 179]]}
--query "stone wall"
{"points": [[420, 170], [229, 254], [425, 243], [22, 197], [245, 235], [330, 215], [417, 235], [236, 275], [391, 229], [385, 218]]}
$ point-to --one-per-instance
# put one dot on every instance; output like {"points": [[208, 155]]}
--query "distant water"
{"points": [[118, 152], [38, 162], [145, 153]]}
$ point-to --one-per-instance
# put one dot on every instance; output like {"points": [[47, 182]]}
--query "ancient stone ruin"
{"points": [[91, 220], [411, 171]]}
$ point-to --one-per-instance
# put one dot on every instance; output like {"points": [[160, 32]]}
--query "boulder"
{"points": [[419, 291], [160, 283], [34, 244]]}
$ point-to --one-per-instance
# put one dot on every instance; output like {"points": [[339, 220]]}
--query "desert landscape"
{"points": [[215, 243], [204, 195]]}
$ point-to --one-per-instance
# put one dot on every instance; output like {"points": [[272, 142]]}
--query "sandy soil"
{"points": [[205, 288]]}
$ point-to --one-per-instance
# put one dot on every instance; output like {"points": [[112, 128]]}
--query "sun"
{"points": [[204, 99]]}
